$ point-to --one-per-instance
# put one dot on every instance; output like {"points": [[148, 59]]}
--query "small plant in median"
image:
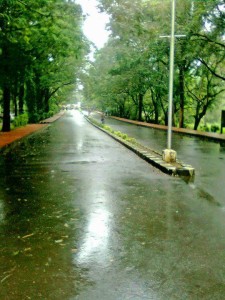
{"points": [[121, 135]]}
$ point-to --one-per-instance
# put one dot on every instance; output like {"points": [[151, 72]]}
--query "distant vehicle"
{"points": [[71, 106]]}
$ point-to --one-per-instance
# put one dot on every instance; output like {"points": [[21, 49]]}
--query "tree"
{"points": [[47, 39], [203, 89], [137, 68]]}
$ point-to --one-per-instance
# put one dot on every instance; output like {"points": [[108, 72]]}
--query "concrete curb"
{"points": [[189, 132], [154, 158]]}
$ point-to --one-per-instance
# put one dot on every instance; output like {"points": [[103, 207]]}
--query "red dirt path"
{"points": [[7, 138]]}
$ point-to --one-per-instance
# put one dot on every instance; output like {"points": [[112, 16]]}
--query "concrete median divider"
{"points": [[153, 157]]}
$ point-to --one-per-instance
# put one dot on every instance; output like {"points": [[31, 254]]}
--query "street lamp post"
{"points": [[171, 75], [170, 155]]}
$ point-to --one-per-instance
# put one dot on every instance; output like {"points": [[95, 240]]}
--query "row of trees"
{"points": [[42, 48], [129, 76]]}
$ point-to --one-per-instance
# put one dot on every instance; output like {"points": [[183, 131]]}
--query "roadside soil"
{"points": [[7, 138]]}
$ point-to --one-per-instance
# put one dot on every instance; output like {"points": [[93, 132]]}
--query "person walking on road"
{"points": [[103, 118]]}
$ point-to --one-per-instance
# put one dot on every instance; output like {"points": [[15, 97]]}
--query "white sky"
{"points": [[94, 25]]}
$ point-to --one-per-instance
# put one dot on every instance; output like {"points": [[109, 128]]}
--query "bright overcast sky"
{"points": [[94, 25]]}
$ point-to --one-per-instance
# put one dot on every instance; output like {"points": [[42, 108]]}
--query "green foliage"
{"points": [[215, 127], [20, 120], [42, 48], [204, 127], [121, 135], [107, 128], [124, 136], [129, 76], [34, 118]]}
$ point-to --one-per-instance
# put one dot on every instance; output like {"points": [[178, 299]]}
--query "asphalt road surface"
{"points": [[82, 217], [206, 156]]}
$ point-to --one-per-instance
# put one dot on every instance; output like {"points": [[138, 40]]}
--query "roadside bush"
{"points": [[189, 125], [215, 127], [47, 115], [34, 118], [20, 120], [205, 128]]}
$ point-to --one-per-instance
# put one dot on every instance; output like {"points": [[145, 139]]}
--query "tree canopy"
{"points": [[42, 48], [129, 76]]}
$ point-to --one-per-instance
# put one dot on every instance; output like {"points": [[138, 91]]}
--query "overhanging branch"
{"points": [[57, 88], [210, 69], [204, 37]]}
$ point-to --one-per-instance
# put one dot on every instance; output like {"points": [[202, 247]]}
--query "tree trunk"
{"points": [[156, 115], [21, 96], [15, 106], [14, 98], [6, 90], [140, 107], [46, 100], [181, 92], [199, 116], [156, 109], [155, 97], [6, 109]]}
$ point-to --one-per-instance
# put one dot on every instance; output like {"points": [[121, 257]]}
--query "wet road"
{"points": [[207, 157], [82, 217]]}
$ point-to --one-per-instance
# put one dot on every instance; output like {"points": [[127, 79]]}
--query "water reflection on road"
{"points": [[95, 240]]}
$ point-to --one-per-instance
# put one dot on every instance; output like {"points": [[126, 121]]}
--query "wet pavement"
{"points": [[206, 156], [82, 217]]}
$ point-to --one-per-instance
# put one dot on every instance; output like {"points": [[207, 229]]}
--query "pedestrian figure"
{"points": [[102, 118]]}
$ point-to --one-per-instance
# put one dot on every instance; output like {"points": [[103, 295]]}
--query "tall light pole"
{"points": [[169, 155], [172, 37], [171, 75]]}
